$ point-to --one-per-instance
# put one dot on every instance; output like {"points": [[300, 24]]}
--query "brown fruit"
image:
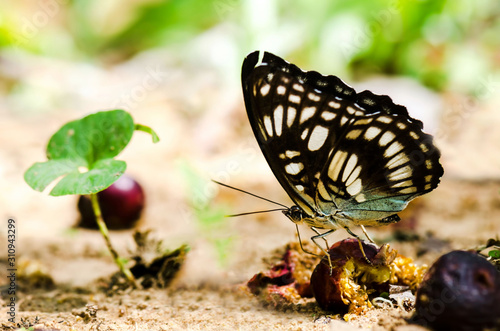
{"points": [[461, 291]]}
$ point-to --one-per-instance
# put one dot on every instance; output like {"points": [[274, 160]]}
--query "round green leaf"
{"points": [[101, 176], [81, 154], [41, 174], [95, 137]]}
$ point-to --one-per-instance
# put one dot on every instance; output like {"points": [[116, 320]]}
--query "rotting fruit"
{"points": [[352, 279], [287, 280], [461, 291], [121, 205]]}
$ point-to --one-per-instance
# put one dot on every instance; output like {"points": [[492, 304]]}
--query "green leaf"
{"points": [[104, 173], [494, 254], [81, 154], [41, 174], [98, 136], [147, 129]]}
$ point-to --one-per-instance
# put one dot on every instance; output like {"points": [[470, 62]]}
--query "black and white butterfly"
{"points": [[344, 158]]}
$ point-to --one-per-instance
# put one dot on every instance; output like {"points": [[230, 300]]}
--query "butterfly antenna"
{"points": [[256, 212], [254, 195]]}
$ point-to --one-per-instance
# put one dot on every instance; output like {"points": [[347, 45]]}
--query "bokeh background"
{"points": [[175, 65]]}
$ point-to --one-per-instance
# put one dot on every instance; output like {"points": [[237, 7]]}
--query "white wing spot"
{"points": [[360, 198], [313, 97], [298, 87], [428, 164], [353, 134], [335, 189], [334, 104], [291, 154], [427, 187], [393, 149], [424, 148], [402, 126], [400, 174], [349, 167], [278, 119], [355, 187], [281, 90], [343, 120], [386, 138], [264, 90], [294, 98], [404, 184], [372, 132], [336, 164], [307, 113], [328, 116], [317, 138], [414, 135], [384, 119], [304, 134], [268, 125], [282, 156], [350, 110], [408, 190], [354, 175], [294, 168], [428, 178], [363, 121], [398, 160], [290, 117], [323, 192], [299, 188]]}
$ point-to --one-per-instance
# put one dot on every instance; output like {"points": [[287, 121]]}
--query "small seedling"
{"points": [[81, 155]]}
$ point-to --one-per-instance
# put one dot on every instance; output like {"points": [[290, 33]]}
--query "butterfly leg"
{"points": [[360, 244], [322, 236], [302, 247], [366, 234]]}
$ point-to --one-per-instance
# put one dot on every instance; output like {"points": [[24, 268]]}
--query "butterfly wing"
{"points": [[274, 98], [381, 162], [335, 152]]}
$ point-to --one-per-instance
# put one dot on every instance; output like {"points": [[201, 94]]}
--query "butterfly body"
{"points": [[344, 158]]}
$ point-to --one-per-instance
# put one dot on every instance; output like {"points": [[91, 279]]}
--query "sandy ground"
{"points": [[201, 139]]}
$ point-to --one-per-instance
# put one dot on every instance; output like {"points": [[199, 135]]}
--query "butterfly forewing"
{"points": [[354, 156], [282, 118]]}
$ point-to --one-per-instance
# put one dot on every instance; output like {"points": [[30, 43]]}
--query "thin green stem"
{"points": [[104, 231]]}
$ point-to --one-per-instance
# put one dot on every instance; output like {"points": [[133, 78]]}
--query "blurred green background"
{"points": [[442, 43]]}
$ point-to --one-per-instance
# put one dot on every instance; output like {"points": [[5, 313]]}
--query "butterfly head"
{"points": [[295, 214]]}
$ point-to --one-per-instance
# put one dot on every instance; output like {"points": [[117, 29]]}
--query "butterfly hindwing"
{"points": [[358, 156]]}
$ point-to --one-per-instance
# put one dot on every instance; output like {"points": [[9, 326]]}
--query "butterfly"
{"points": [[344, 158]]}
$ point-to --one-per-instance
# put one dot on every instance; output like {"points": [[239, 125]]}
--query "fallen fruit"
{"points": [[347, 285], [287, 279], [121, 205], [461, 291]]}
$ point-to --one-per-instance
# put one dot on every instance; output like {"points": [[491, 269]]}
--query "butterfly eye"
{"points": [[294, 213]]}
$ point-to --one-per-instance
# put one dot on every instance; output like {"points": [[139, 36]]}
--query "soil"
{"points": [[61, 270]]}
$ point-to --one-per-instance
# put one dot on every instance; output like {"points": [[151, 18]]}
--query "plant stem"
{"points": [[104, 231]]}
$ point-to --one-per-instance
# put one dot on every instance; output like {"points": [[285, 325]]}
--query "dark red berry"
{"points": [[461, 291], [121, 205]]}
